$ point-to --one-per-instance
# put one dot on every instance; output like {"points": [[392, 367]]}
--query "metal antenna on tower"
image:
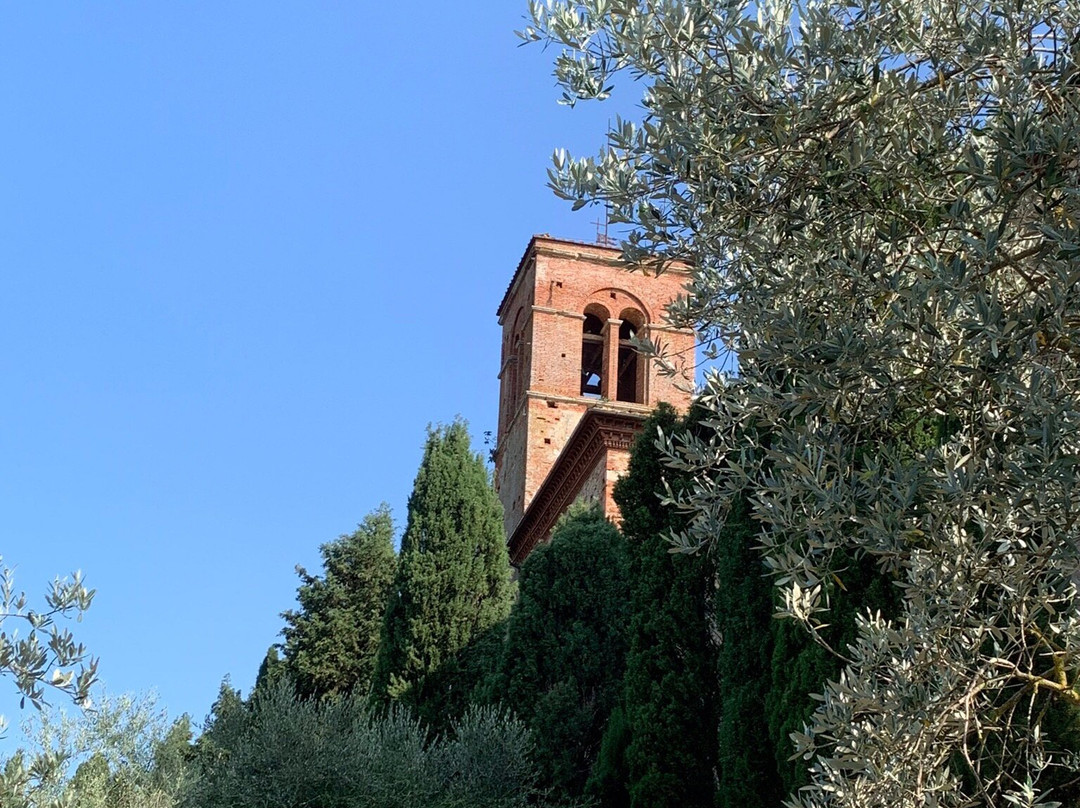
{"points": [[603, 237], [602, 225]]}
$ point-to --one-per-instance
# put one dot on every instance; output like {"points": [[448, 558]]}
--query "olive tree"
{"points": [[880, 204], [47, 655], [40, 654], [121, 753]]}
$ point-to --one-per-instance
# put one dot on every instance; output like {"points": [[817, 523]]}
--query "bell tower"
{"points": [[573, 390]]}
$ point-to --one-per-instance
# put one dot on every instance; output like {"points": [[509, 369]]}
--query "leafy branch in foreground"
{"points": [[48, 655], [880, 202]]}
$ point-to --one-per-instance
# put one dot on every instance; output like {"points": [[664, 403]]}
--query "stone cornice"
{"points": [[600, 430], [623, 406]]}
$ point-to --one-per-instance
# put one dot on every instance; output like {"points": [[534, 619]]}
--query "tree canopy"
{"points": [[670, 687], [122, 753], [879, 203], [332, 640], [281, 751], [566, 645], [453, 577]]}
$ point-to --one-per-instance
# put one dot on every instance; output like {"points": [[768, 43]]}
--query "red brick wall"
{"points": [[592, 490], [617, 463]]}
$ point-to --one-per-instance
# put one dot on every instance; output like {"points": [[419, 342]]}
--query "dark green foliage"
{"points": [[452, 581], [134, 781], [486, 760], [172, 758], [1058, 725], [469, 677], [714, 684], [1061, 729], [800, 666], [769, 669], [746, 752], [607, 782], [92, 782], [332, 640], [121, 754], [271, 670], [566, 645], [670, 692], [227, 719], [280, 751]]}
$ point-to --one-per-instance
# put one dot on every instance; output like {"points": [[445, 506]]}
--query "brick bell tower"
{"points": [[573, 391]]}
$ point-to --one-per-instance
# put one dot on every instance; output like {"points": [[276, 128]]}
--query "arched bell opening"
{"points": [[630, 381], [592, 356]]}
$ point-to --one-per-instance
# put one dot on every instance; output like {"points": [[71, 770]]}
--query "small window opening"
{"points": [[592, 357]]}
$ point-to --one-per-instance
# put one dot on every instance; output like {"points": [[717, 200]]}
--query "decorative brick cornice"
{"points": [[600, 430]]}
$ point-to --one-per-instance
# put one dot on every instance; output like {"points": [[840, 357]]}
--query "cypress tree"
{"points": [[800, 667], [332, 640], [751, 667], [566, 645], [769, 670], [271, 671], [453, 579], [714, 684], [855, 584], [670, 693]]}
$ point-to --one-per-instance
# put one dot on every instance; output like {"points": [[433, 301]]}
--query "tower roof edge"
{"points": [[531, 249]]}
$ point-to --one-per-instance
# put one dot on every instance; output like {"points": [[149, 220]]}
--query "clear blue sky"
{"points": [[248, 251]]}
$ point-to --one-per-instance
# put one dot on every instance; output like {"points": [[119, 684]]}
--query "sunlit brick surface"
{"points": [[541, 403]]}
